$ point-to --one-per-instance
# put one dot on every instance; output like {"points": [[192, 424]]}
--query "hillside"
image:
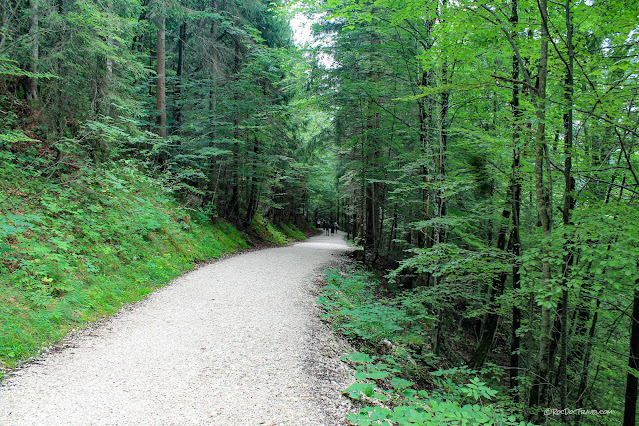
{"points": [[78, 245]]}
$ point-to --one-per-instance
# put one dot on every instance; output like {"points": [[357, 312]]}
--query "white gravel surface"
{"points": [[235, 342]]}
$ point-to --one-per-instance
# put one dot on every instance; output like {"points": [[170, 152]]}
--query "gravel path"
{"points": [[236, 342]]}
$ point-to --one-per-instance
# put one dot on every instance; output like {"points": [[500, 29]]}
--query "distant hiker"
{"points": [[326, 227], [336, 227], [332, 228], [319, 224]]}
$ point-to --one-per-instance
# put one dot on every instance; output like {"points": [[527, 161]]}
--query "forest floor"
{"points": [[235, 342]]}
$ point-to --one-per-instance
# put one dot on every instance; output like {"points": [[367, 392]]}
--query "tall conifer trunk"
{"points": [[251, 208], [32, 81], [235, 179], [180, 72], [160, 85], [372, 153]]}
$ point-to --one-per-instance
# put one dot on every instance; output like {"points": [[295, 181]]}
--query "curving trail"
{"points": [[235, 342]]}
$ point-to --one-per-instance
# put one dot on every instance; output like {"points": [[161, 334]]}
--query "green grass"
{"points": [[78, 247]]}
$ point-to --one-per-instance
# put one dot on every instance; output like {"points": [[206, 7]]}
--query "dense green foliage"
{"points": [[487, 154], [198, 92], [398, 379]]}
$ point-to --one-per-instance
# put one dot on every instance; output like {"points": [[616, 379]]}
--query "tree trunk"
{"points": [[180, 72], [439, 232], [372, 154], [3, 22], [515, 341], [539, 388], [235, 174], [426, 121], [489, 327], [32, 81], [369, 239], [251, 209], [560, 329], [569, 205], [583, 380], [213, 60], [630, 409], [160, 86], [381, 217]]}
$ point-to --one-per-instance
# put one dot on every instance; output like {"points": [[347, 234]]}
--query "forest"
{"points": [[480, 155]]}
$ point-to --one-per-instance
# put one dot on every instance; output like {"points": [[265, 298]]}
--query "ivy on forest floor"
{"points": [[399, 385]]}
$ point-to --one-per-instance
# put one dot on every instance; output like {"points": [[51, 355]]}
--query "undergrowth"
{"points": [[399, 379], [76, 246]]}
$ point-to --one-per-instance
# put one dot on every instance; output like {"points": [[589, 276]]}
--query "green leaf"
{"points": [[358, 357], [356, 390], [399, 383]]}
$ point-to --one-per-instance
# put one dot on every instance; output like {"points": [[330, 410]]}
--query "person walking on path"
{"points": [[326, 227]]}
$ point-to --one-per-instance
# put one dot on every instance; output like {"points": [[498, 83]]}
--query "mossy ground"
{"points": [[283, 233], [292, 231]]}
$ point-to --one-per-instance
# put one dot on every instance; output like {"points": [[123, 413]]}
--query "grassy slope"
{"points": [[283, 233], [76, 247], [292, 231]]}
